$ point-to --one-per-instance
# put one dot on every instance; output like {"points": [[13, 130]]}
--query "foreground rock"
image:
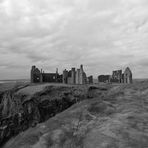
{"points": [[22, 109], [108, 118]]}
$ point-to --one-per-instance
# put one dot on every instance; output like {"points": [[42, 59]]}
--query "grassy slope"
{"points": [[117, 120], [11, 85]]}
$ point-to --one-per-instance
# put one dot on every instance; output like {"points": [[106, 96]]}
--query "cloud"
{"points": [[102, 35]]}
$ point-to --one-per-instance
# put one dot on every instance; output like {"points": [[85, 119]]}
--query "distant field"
{"points": [[7, 85]]}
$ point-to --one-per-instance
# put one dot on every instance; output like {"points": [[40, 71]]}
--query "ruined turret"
{"points": [[81, 74], [73, 76], [65, 76], [35, 75], [78, 76], [32, 74]]}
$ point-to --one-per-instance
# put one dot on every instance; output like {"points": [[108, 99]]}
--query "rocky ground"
{"points": [[100, 116]]}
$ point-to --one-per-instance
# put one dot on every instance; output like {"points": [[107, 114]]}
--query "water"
{"points": [[2, 82], [13, 81]]}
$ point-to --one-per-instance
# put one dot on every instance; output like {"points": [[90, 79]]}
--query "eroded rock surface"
{"points": [[21, 110], [114, 116]]}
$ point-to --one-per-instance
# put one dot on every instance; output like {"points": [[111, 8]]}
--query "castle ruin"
{"points": [[74, 76], [39, 76], [78, 76], [68, 77], [104, 78], [117, 77], [127, 76], [90, 80]]}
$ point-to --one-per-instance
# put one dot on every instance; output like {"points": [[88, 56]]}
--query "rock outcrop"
{"points": [[109, 116], [21, 111]]}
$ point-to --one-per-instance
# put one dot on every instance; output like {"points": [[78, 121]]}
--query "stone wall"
{"points": [[117, 77], [78, 76], [38, 76], [75, 77], [128, 76]]}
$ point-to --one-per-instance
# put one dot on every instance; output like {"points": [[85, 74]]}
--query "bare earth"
{"points": [[113, 116]]}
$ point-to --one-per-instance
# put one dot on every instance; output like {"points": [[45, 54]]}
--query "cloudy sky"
{"points": [[103, 35]]}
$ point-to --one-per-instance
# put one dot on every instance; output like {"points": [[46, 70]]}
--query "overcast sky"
{"points": [[103, 35]]}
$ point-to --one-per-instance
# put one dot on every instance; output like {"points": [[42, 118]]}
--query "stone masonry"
{"points": [[74, 76]]}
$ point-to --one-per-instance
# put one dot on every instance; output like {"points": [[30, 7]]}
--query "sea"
{"points": [[13, 81]]}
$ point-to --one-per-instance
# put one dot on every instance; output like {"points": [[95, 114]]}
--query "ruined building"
{"points": [[38, 76], [68, 77], [104, 78], [128, 76], [74, 76], [90, 80], [117, 77]]}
